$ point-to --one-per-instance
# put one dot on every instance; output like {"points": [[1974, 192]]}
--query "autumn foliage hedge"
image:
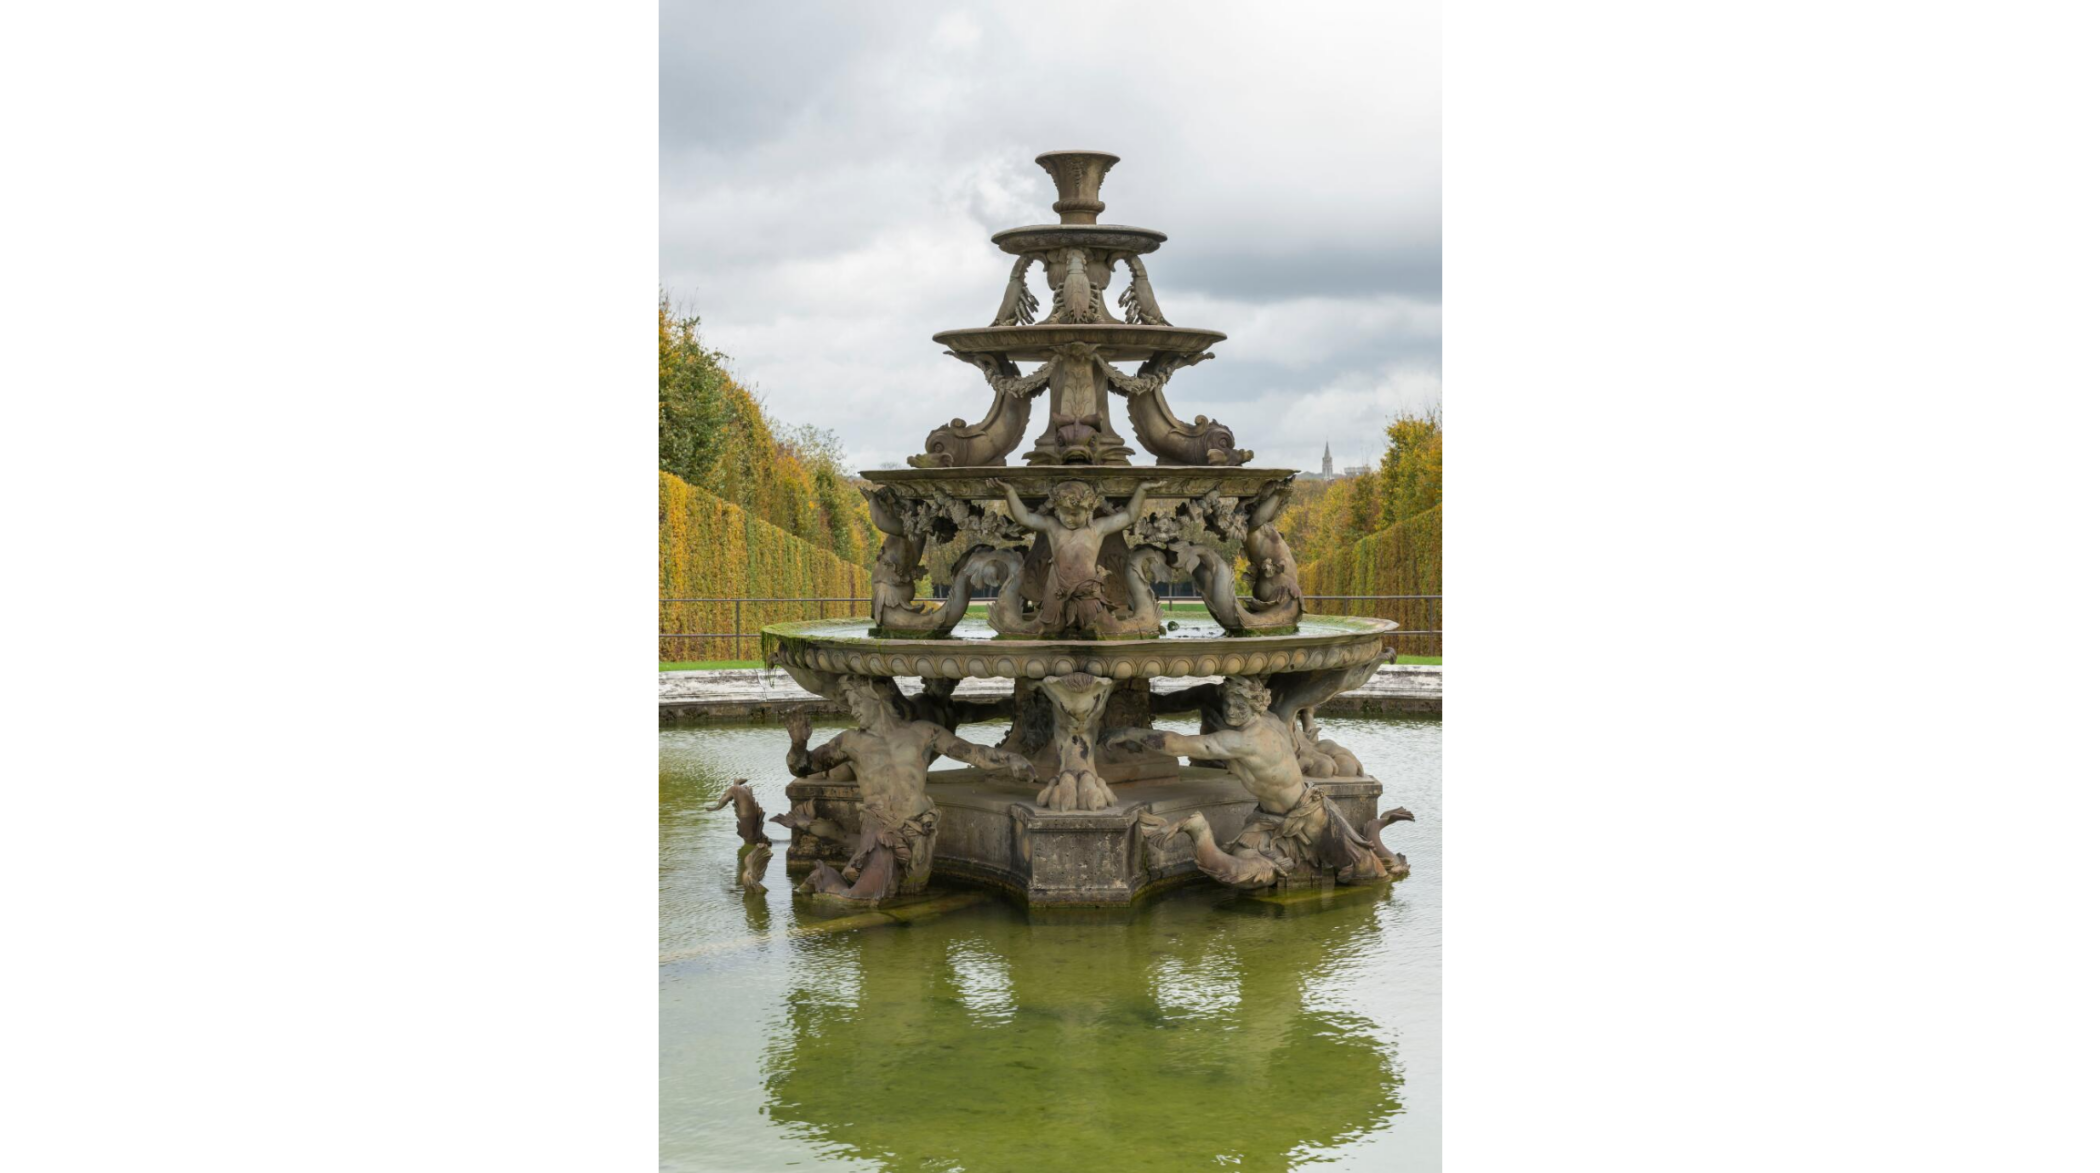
{"points": [[1405, 558], [708, 547]]}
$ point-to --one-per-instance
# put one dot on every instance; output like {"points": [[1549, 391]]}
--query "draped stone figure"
{"points": [[1256, 745], [890, 754]]}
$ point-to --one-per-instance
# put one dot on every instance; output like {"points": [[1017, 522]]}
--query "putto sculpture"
{"points": [[1058, 563], [1076, 599]]}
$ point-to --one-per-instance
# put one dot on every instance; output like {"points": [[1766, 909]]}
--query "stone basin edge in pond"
{"points": [[835, 645]]}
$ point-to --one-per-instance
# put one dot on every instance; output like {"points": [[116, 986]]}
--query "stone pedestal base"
{"points": [[993, 833]]}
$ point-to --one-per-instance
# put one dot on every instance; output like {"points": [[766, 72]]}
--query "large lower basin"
{"points": [[1198, 648]]}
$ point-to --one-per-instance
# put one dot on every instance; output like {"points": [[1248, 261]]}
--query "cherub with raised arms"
{"points": [[1073, 592]]}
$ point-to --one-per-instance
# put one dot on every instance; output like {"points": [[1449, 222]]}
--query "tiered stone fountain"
{"points": [[1083, 802]]}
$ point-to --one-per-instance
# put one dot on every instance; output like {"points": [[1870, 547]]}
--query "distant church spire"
{"points": [[1327, 462]]}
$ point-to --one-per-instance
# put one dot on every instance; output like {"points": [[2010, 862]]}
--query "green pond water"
{"points": [[1203, 1030]]}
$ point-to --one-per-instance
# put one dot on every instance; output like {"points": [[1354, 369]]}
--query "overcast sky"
{"points": [[831, 175]]}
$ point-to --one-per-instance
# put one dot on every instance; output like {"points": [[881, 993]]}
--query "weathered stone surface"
{"points": [[1175, 482], [1115, 341], [1319, 642], [992, 832], [1078, 175], [768, 694], [1084, 803]]}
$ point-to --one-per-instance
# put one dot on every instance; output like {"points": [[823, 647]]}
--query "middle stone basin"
{"points": [[1197, 648]]}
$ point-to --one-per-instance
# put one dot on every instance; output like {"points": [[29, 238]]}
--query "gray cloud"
{"points": [[830, 175]]}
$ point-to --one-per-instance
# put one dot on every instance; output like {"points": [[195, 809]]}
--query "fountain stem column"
{"points": [[1079, 431]]}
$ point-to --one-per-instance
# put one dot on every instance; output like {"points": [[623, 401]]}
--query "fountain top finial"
{"points": [[1078, 176]]}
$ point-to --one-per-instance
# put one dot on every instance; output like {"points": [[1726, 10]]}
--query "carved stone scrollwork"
{"points": [[1079, 431], [897, 568], [910, 525], [1018, 307], [1077, 702], [1076, 297], [984, 566], [1271, 570], [1158, 429], [1145, 566], [1140, 308], [960, 444]]}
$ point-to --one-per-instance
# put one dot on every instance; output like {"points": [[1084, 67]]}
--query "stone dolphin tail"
{"points": [[1248, 871], [750, 819], [802, 818], [958, 444], [1145, 566], [1158, 430], [1213, 578], [753, 876], [1395, 864]]}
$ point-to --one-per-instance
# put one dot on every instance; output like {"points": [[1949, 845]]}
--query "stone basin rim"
{"points": [[1358, 642], [1034, 238], [973, 482], [1119, 341]]}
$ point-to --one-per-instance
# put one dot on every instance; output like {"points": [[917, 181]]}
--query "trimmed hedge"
{"points": [[709, 548], [1405, 558]]}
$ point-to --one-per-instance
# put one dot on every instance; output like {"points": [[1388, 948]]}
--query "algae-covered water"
{"points": [[1201, 1031]]}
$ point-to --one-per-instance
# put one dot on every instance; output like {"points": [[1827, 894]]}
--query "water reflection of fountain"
{"points": [[982, 1041]]}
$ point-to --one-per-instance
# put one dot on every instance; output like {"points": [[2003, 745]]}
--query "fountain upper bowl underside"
{"points": [[973, 649], [1174, 481], [1118, 342]]}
